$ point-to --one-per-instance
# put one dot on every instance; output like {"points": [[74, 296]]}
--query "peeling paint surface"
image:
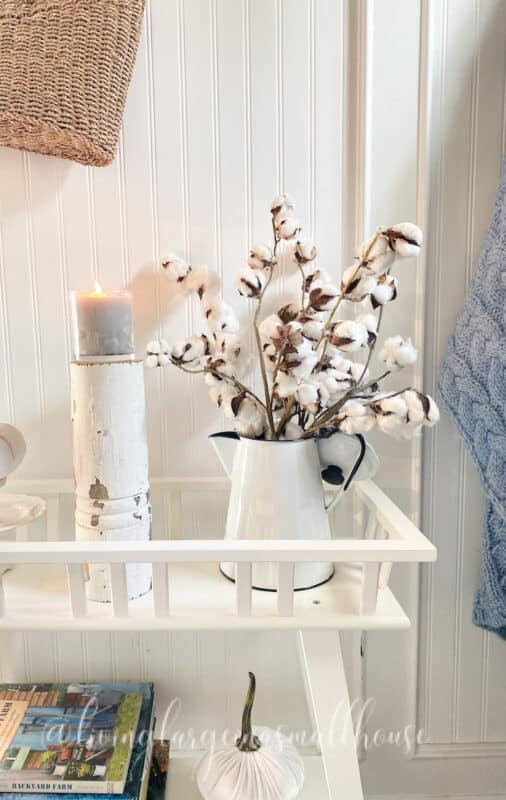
{"points": [[98, 491]]}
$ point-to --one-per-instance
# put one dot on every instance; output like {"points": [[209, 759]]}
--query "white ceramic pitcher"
{"points": [[277, 493]]}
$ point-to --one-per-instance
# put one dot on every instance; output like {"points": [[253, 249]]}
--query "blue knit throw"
{"points": [[472, 384]]}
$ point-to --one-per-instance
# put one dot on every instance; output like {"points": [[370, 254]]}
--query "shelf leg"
{"points": [[329, 704]]}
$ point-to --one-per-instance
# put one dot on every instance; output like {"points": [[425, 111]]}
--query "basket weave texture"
{"points": [[65, 68]]}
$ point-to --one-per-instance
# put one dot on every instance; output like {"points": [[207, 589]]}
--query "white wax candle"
{"points": [[102, 323]]}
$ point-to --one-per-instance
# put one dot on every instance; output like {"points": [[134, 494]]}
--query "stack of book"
{"points": [[80, 740]]}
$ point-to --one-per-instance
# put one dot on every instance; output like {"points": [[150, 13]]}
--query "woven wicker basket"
{"points": [[65, 67]]}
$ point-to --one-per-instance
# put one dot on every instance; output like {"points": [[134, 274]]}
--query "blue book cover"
{"points": [[71, 738]]}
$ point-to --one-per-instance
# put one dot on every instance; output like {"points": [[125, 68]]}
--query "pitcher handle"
{"points": [[353, 471]]}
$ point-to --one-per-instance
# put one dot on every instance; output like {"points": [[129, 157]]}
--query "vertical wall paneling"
{"points": [[368, 113], [459, 683], [389, 194]]}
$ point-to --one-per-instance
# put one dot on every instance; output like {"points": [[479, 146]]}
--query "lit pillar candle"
{"points": [[102, 323], [109, 435]]}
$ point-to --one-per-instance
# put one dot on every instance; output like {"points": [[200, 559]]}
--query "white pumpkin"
{"points": [[263, 764]]}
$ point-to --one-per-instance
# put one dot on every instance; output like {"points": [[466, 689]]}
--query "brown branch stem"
{"points": [[327, 415], [229, 378]]}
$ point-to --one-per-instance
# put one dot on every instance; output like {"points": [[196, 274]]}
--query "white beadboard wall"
{"points": [[366, 111], [463, 680]]}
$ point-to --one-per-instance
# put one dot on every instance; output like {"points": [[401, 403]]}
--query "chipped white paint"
{"points": [[111, 466]]}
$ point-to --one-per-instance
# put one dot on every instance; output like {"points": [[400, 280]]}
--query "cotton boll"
{"points": [[379, 255], [227, 396], [432, 414], [384, 291], [270, 327], [212, 380], [157, 353], [392, 425], [395, 404], [391, 414], [294, 353], [336, 382], [355, 417], [356, 285], [190, 351], [422, 408], [289, 337], [282, 203], [216, 363], [270, 355], [292, 432], [307, 395], [251, 282], [175, 268], [357, 372], [260, 257], [218, 314], [370, 323], [329, 384], [415, 408], [405, 239], [303, 252], [317, 275], [286, 226], [323, 396], [221, 395], [346, 372], [322, 296], [348, 335], [397, 353], [305, 367], [288, 313], [249, 417], [312, 325], [228, 345], [341, 364], [201, 280], [285, 385], [225, 320]]}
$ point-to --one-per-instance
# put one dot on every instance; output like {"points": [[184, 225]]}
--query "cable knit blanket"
{"points": [[472, 385]]}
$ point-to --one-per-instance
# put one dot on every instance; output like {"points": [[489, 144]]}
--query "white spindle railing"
{"points": [[243, 589], [285, 588], [77, 589], [389, 537], [160, 590]]}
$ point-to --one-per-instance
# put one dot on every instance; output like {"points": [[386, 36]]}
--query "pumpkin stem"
{"points": [[246, 742]]}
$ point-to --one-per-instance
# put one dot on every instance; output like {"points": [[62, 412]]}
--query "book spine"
{"points": [[62, 787]]}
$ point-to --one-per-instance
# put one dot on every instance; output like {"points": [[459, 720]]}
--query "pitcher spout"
{"points": [[225, 445]]}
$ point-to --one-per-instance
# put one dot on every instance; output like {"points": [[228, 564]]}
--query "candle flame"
{"points": [[99, 291]]}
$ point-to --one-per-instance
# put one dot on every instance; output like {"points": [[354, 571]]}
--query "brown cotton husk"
{"points": [[320, 298], [288, 313]]}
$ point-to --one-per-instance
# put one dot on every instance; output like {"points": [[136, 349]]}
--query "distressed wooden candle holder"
{"points": [[111, 465]]}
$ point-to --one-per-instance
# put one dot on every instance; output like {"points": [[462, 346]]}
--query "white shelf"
{"points": [[46, 591], [200, 599]]}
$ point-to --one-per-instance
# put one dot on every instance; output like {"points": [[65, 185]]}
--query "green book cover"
{"points": [[68, 738]]}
